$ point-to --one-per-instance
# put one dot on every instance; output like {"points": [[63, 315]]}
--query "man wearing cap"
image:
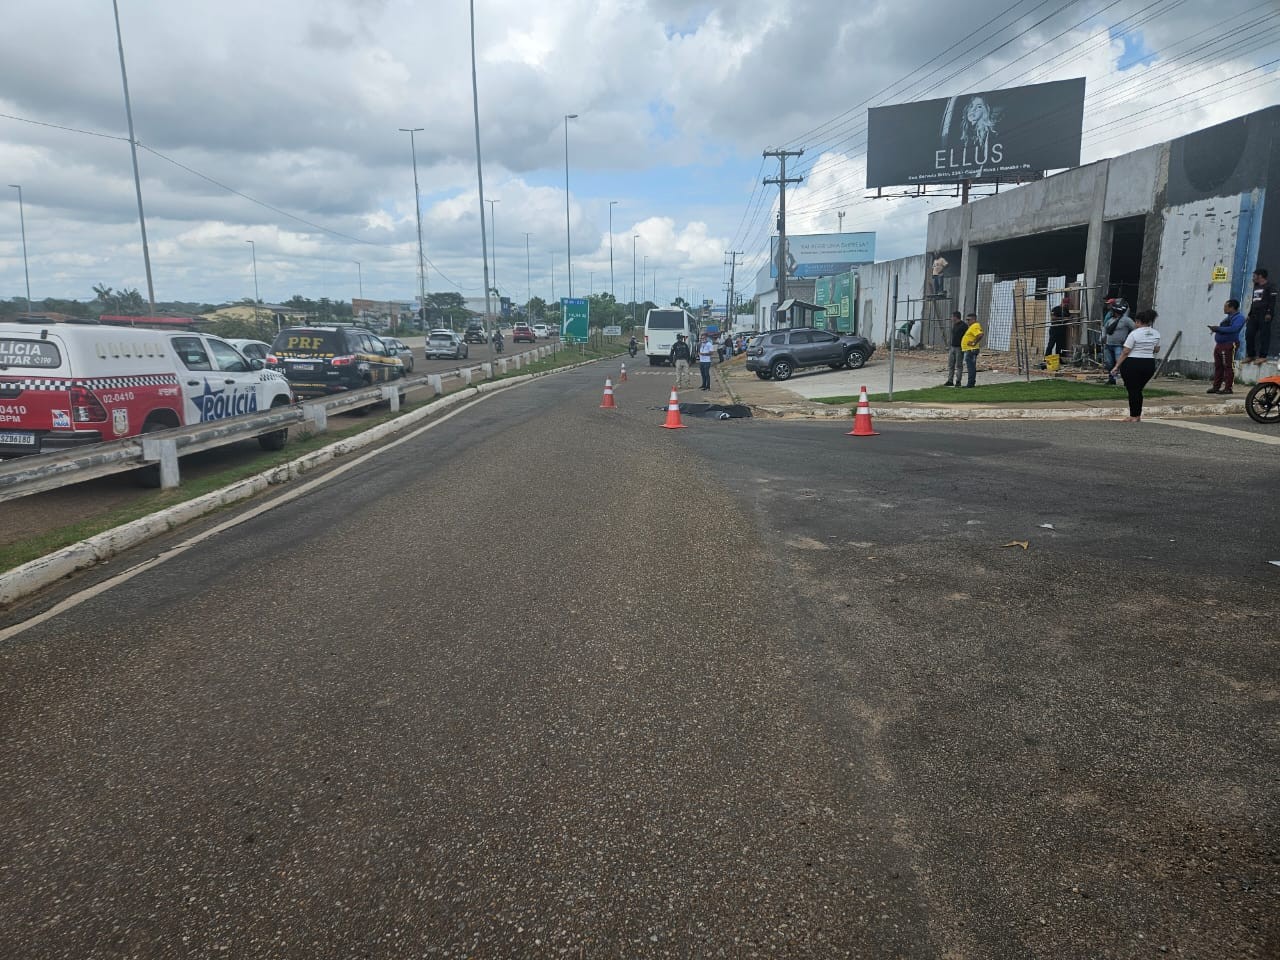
{"points": [[1116, 327], [680, 358]]}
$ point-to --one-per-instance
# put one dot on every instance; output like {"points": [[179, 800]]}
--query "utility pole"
{"points": [[841, 216], [475, 110], [733, 269], [612, 204], [528, 277], [782, 180], [634, 297], [137, 177]]}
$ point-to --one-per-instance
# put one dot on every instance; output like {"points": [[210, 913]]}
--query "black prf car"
{"points": [[475, 333], [778, 354]]}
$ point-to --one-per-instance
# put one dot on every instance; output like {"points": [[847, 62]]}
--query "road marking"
{"points": [[90, 592], [1220, 431]]}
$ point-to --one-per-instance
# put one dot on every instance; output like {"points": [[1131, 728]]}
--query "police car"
{"points": [[321, 360], [63, 385]]}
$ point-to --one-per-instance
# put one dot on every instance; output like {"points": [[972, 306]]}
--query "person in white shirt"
{"points": [[1137, 363], [938, 268], [706, 350]]}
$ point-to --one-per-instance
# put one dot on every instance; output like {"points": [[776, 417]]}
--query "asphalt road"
{"points": [[548, 680]]}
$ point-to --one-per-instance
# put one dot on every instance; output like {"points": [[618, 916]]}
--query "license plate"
{"points": [[304, 367], [17, 439]]}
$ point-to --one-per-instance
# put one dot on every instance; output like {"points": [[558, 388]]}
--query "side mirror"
{"points": [[257, 364]]}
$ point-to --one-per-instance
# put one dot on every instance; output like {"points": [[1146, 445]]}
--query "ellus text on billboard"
{"points": [[995, 135]]}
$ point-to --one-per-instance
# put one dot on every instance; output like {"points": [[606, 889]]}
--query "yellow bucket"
{"points": [[1052, 362]]}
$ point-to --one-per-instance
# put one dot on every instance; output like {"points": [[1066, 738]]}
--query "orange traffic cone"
{"points": [[673, 412], [623, 378], [607, 403], [862, 419]]}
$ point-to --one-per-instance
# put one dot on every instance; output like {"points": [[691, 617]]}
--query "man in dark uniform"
{"points": [[1257, 331]]}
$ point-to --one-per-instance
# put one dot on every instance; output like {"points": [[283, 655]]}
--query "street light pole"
{"points": [[612, 204], [493, 234], [417, 209], [475, 110], [528, 277], [133, 148], [360, 276], [634, 298], [253, 249], [568, 242], [22, 220]]}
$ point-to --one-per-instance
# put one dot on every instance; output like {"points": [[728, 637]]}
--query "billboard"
{"points": [[823, 254], [836, 296], [995, 135]]}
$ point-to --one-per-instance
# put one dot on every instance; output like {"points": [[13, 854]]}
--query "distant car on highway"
{"points": [[252, 349], [475, 332], [445, 345], [402, 350], [523, 332], [541, 331], [779, 354]]}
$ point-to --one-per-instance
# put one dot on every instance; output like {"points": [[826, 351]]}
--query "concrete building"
{"points": [[1179, 226]]}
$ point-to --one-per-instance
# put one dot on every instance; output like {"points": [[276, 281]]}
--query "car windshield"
{"points": [[307, 343]]}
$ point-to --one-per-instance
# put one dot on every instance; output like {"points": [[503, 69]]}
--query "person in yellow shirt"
{"points": [[969, 344]]}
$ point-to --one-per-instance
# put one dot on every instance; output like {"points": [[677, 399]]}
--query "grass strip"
{"points": [[1037, 391]]}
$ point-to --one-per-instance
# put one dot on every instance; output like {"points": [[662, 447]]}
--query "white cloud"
{"points": [[298, 104]]}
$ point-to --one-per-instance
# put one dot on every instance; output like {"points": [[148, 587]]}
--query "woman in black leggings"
{"points": [[1137, 363]]}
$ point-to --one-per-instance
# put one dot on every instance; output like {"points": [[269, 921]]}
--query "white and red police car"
{"points": [[67, 384]]}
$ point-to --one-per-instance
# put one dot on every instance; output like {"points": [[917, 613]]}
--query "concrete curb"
{"points": [[37, 574], [806, 412]]}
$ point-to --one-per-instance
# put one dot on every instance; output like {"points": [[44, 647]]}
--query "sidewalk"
{"points": [[795, 398]]}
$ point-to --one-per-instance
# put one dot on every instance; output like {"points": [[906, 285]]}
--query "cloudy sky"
{"points": [[278, 123]]}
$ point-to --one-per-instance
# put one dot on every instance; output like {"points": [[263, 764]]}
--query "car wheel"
{"points": [[781, 370], [277, 438], [855, 359]]}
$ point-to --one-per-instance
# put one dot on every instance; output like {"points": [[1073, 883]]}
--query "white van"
{"points": [[661, 327], [63, 385]]}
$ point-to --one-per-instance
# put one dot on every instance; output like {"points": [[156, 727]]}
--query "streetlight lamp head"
{"points": [[571, 116]]}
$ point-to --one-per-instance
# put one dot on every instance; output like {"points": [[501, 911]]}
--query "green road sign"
{"points": [[576, 314]]}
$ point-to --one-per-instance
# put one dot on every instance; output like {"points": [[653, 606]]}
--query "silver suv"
{"points": [[780, 353]]}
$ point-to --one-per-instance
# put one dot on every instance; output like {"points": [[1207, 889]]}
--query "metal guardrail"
{"points": [[24, 476]]}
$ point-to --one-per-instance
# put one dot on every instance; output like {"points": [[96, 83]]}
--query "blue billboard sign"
{"points": [[823, 254]]}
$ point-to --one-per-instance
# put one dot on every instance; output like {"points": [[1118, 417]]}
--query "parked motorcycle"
{"points": [[1263, 401]]}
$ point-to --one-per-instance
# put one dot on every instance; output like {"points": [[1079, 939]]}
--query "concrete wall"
{"points": [[875, 294], [1198, 236], [1065, 200], [1132, 181], [946, 228]]}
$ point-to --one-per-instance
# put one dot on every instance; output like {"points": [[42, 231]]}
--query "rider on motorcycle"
{"points": [[633, 346], [497, 341]]}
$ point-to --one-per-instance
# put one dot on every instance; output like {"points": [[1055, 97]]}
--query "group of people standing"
{"points": [[1256, 329], [1132, 346], [681, 353], [962, 357]]}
